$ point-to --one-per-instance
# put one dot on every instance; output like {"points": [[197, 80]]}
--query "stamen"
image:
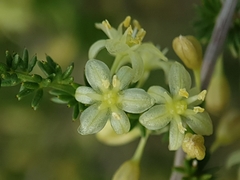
{"points": [[136, 24], [106, 24], [181, 128], [116, 116], [127, 21], [105, 84], [202, 95], [183, 93], [140, 35], [129, 30], [115, 81], [198, 109], [179, 124]]}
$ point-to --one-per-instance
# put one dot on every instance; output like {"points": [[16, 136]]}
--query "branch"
{"points": [[216, 43]]}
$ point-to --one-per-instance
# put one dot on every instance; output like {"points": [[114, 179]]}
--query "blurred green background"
{"points": [[44, 144]]}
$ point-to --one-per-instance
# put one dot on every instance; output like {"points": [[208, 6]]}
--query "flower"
{"points": [[227, 131], [123, 45], [129, 170], [177, 108], [218, 97], [109, 98], [193, 145], [152, 59], [189, 50], [108, 136]]}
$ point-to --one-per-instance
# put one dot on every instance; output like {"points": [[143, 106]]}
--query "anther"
{"points": [[202, 95], [183, 93], [198, 109], [127, 21], [116, 116]]}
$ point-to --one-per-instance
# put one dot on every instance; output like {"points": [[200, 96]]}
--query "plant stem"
{"points": [[212, 52], [217, 41], [178, 161], [138, 153]]}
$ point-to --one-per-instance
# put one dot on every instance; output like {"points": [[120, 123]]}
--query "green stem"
{"points": [[63, 87], [47, 83], [197, 76], [139, 151]]}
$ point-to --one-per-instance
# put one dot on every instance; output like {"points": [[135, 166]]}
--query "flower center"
{"points": [[177, 107], [110, 98]]}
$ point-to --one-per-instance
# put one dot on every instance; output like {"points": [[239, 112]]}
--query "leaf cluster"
{"points": [[195, 170], [18, 71]]}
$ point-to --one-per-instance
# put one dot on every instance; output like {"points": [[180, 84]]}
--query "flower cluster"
{"points": [[109, 98], [115, 93], [125, 44], [179, 108]]}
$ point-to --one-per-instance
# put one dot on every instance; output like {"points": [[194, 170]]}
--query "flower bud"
{"points": [[188, 50], [227, 131], [218, 95], [129, 170], [108, 136], [193, 145]]}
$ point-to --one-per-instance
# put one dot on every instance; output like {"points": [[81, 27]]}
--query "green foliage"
{"points": [[233, 159], [196, 170], [18, 71]]}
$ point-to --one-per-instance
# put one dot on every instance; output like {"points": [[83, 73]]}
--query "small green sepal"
{"points": [[24, 92], [30, 85], [76, 111], [25, 59], [16, 61], [44, 66], [9, 80], [50, 62], [3, 68], [36, 99], [36, 78], [32, 63], [9, 59], [68, 71]]}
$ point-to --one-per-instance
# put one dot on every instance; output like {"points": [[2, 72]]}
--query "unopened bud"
{"points": [[129, 170], [108, 136], [193, 145], [189, 50], [218, 95], [227, 131]]}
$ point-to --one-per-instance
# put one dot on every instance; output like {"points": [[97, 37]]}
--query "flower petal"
{"points": [[95, 48], [108, 136], [175, 136], [108, 30], [155, 118], [200, 123], [157, 92], [92, 120], [149, 47], [119, 121], [98, 75], [86, 95], [135, 100], [179, 78], [137, 65], [124, 75], [115, 46]]}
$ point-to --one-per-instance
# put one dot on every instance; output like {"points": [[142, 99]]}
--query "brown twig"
{"points": [[216, 43]]}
